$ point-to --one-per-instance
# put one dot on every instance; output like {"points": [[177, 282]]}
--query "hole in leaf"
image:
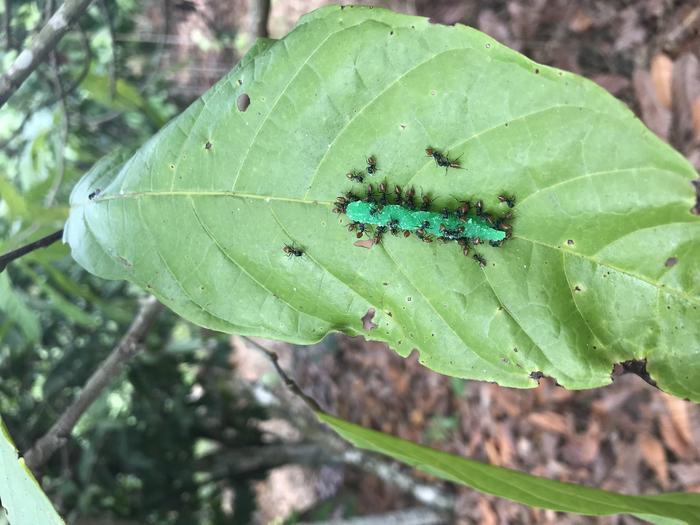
{"points": [[243, 102], [367, 323]]}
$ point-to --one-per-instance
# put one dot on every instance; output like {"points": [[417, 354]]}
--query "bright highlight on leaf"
{"points": [[199, 215]]}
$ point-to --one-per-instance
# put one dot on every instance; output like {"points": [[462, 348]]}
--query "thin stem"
{"points": [[129, 345], [28, 248], [43, 43]]}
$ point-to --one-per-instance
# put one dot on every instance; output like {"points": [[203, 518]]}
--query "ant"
{"points": [[480, 259], [427, 202], [355, 176], [94, 194], [380, 231], [371, 165], [479, 207], [410, 198], [359, 226], [508, 199], [399, 196], [382, 190], [465, 246], [393, 225], [443, 160], [291, 251]]}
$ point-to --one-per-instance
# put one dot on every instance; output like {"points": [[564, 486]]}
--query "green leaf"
{"points": [[518, 486], [200, 214], [126, 96], [20, 494], [13, 308]]}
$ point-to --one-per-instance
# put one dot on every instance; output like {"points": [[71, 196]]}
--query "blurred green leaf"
{"points": [[13, 307], [126, 96], [21, 495], [518, 486]]}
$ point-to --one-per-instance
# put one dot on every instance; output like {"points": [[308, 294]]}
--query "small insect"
{"points": [[445, 213], [393, 225], [463, 210], [359, 226], [355, 176], [382, 191], [94, 194], [399, 195], [479, 207], [480, 259], [443, 160], [427, 201], [379, 232], [372, 165], [508, 199], [410, 198], [292, 251], [465, 246]]}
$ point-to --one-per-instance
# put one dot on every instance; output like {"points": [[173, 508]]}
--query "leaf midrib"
{"points": [[268, 198]]}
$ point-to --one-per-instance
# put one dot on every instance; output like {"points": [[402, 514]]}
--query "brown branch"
{"points": [[288, 382], [431, 495], [259, 14], [43, 43], [58, 434], [28, 248], [414, 516]]}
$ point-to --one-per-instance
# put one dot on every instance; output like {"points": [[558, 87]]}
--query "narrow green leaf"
{"points": [[13, 308], [601, 268], [518, 486], [21, 495]]}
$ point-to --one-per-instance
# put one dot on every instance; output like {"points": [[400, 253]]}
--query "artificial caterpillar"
{"points": [[467, 225]]}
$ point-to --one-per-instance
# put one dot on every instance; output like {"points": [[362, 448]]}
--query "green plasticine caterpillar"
{"points": [[447, 226]]}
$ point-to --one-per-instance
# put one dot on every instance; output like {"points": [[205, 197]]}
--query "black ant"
{"points": [[382, 191], [399, 195], [94, 194], [480, 259], [465, 246], [371, 165], [463, 209], [479, 207], [443, 160], [508, 199], [355, 176], [380, 231], [393, 225], [427, 202], [359, 226], [291, 251], [410, 198]]}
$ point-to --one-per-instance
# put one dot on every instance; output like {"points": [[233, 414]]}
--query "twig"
{"points": [[429, 495], [45, 41], [63, 135], [414, 516], [113, 63], [58, 434], [259, 14], [289, 383], [28, 248], [8, 24]]}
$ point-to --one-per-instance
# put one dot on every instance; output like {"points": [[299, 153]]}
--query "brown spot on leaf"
{"points": [[671, 261], [367, 323], [365, 243]]}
